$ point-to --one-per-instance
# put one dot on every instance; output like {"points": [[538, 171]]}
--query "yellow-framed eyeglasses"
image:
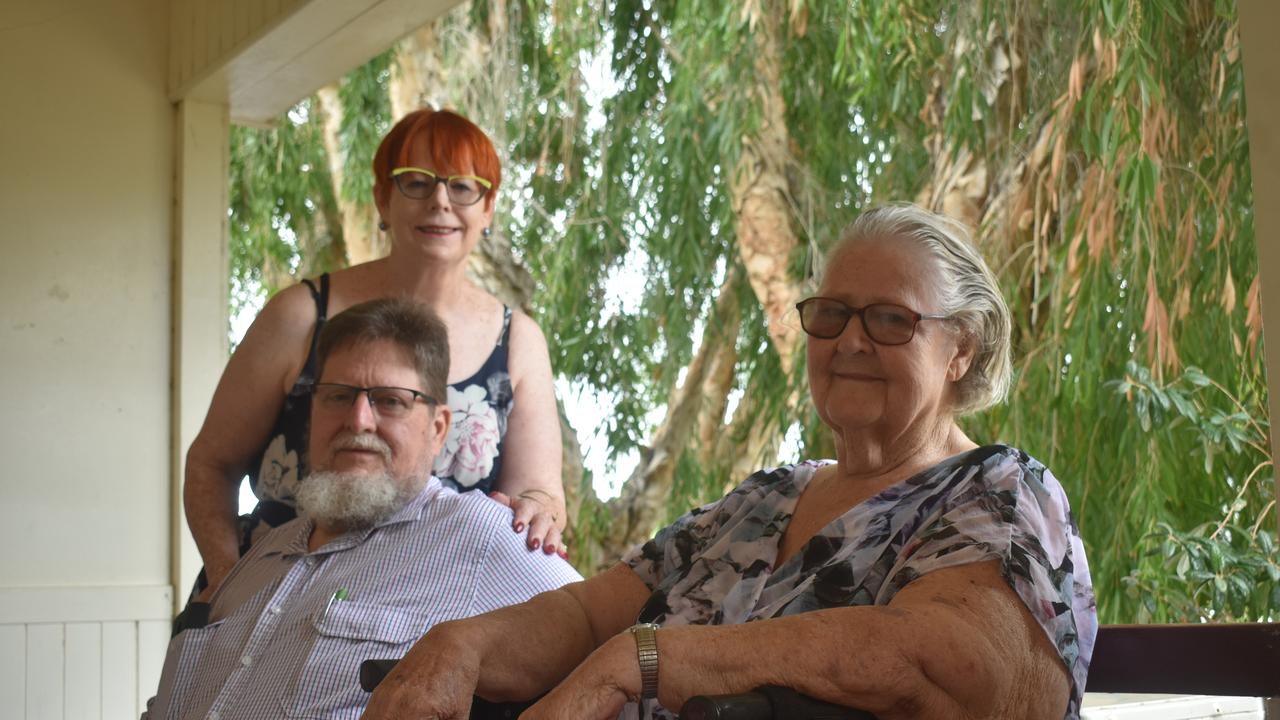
{"points": [[418, 183]]}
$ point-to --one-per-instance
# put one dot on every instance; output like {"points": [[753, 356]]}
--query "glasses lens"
{"points": [[391, 402], [416, 185], [464, 190], [824, 318], [334, 397], [890, 324]]}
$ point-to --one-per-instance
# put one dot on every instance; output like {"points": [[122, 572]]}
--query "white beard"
{"points": [[354, 501]]}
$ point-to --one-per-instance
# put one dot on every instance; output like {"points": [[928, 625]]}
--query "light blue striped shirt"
{"points": [[281, 644]]}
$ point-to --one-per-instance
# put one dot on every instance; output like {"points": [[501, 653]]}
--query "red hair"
{"points": [[454, 144]]}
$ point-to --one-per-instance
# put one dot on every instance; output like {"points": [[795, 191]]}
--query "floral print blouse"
{"points": [[715, 565]]}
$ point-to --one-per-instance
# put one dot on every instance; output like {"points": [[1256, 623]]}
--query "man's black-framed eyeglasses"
{"points": [[884, 323], [387, 402]]}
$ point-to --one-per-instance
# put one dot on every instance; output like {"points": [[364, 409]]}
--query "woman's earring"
{"points": [[382, 225], [486, 232]]}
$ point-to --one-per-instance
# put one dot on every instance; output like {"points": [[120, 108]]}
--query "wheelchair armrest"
{"points": [[767, 703], [372, 672]]}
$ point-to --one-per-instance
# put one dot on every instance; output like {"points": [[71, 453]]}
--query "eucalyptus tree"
{"points": [[713, 150]]}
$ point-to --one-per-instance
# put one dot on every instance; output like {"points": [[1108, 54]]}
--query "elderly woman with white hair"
{"points": [[918, 575]]}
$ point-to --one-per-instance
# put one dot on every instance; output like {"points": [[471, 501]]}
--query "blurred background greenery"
{"points": [[674, 170]]}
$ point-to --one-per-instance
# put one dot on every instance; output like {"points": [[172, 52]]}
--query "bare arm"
{"points": [[241, 415], [953, 645], [514, 653], [531, 454]]}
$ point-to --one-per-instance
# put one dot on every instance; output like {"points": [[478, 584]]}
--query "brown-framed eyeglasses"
{"points": [[884, 323]]}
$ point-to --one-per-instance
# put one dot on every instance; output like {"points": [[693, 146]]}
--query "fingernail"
{"points": [[564, 554], [534, 545], [519, 527], [548, 548]]}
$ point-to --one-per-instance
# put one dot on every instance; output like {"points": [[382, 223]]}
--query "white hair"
{"points": [[351, 501], [355, 500], [968, 290]]}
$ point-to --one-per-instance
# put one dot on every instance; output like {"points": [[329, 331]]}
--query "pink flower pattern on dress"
{"points": [[474, 435]]}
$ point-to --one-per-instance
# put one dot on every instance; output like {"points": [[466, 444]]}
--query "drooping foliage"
{"points": [[282, 214], [1098, 147]]}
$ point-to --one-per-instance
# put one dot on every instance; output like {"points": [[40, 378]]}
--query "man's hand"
{"points": [[435, 681]]}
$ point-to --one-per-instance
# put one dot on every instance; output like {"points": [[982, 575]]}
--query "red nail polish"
{"points": [[548, 548], [535, 544], [519, 527], [564, 554]]}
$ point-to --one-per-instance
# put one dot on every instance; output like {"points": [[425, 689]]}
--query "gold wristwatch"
{"points": [[646, 635]]}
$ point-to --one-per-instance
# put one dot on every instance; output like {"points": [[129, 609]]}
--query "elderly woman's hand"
{"points": [[443, 661], [542, 513], [597, 689]]}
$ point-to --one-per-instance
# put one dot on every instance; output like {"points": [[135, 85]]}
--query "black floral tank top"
{"points": [[471, 458]]}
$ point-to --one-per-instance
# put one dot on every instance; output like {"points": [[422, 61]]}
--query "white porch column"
{"points": [[200, 303]]}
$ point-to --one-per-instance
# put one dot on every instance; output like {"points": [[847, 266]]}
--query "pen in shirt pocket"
{"points": [[338, 596]]}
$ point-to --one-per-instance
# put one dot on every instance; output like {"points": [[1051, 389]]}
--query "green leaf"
{"points": [[1196, 376], [1184, 566]]}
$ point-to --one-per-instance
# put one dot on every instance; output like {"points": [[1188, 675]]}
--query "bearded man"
{"points": [[379, 554]]}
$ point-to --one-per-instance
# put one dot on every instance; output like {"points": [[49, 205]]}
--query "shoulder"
{"points": [[1004, 466], [276, 344], [500, 550], [527, 356], [783, 479], [1025, 492], [472, 512], [526, 337], [757, 494], [289, 314], [356, 284], [755, 509]]}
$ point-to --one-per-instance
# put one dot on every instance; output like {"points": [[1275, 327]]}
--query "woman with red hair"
{"points": [[436, 176]]}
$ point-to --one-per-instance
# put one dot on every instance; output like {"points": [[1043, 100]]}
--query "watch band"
{"points": [[646, 635]]}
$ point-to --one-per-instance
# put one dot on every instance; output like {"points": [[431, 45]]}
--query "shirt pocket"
{"points": [[347, 634]]}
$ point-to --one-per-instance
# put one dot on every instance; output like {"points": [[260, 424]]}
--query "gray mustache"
{"points": [[362, 441]]}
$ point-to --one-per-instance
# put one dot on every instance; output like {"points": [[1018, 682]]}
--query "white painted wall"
{"points": [[113, 153], [86, 187], [85, 222]]}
